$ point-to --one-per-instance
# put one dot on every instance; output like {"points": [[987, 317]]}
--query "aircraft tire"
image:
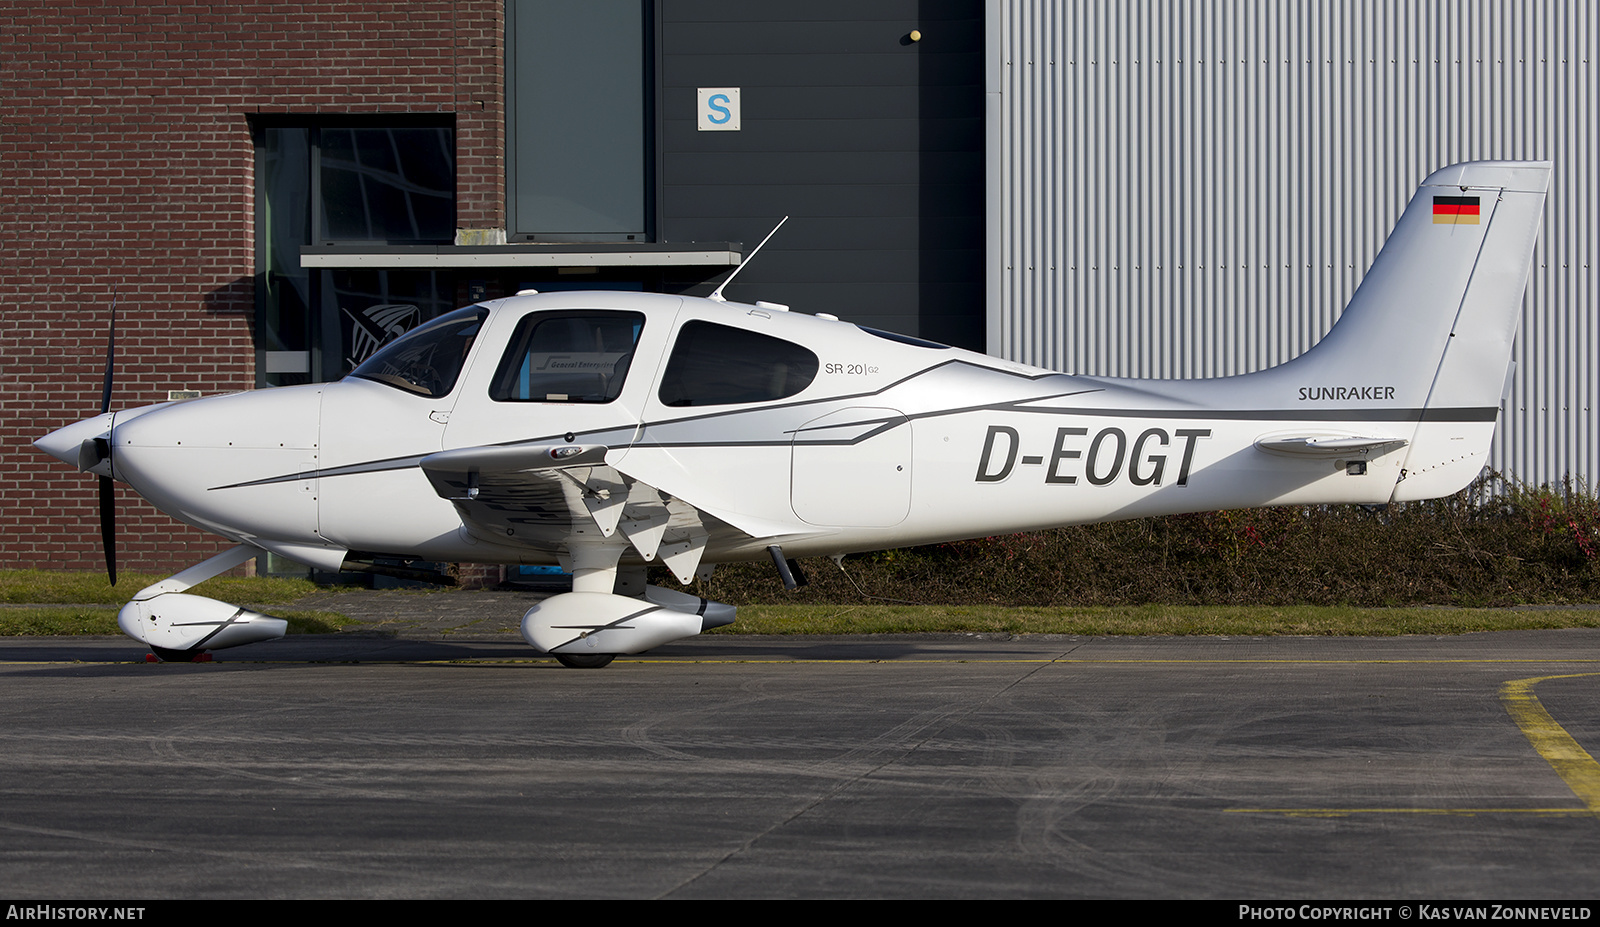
{"points": [[585, 660]]}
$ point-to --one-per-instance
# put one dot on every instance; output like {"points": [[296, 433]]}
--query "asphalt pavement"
{"points": [[435, 755]]}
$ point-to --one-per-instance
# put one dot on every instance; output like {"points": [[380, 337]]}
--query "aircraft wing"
{"points": [[548, 497]]}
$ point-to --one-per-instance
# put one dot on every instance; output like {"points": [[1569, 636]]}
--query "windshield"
{"points": [[428, 359]]}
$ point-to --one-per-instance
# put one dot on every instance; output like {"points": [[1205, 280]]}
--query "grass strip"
{"points": [[46, 587], [69, 620], [99, 601], [1143, 620], [1147, 620]]}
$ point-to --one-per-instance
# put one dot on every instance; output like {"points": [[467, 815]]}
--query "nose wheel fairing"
{"points": [[589, 626], [187, 623], [175, 624]]}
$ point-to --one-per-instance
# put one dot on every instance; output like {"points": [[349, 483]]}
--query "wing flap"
{"points": [[548, 497]]}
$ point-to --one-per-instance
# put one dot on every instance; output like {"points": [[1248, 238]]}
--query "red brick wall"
{"points": [[126, 166]]}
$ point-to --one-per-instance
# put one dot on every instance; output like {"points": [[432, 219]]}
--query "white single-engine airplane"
{"points": [[607, 430]]}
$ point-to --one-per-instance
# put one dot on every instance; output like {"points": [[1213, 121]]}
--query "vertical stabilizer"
{"points": [[1435, 317], [1438, 310]]}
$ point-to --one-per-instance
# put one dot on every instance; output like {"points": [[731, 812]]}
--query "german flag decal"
{"points": [[1455, 210]]}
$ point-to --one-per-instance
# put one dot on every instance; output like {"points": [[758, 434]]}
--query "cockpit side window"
{"points": [[715, 364], [428, 359], [579, 356]]}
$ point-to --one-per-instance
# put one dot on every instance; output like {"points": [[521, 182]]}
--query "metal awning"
{"points": [[585, 254]]}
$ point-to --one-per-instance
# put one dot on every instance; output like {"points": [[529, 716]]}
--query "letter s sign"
{"points": [[719, 109]]}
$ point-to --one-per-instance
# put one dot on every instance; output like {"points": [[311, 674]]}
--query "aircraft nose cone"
{"points": [[63, 443]]}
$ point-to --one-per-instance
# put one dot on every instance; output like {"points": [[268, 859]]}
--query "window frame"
{"points": [[651, 126]]}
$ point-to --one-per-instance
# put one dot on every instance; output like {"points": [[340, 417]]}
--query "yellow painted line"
{"points": [[1090, 661], [1342, 812], [1550, 740], [1570, 761], [816, 661], [943, 661]]}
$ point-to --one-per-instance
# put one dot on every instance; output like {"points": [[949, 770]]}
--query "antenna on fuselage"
{"points": [[717, 293]]}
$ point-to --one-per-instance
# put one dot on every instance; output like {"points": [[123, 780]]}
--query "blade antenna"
{"points": [[108, 501], [717, 294]]}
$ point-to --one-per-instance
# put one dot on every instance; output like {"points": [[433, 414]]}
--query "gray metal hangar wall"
{"points": [[1195, 189]]}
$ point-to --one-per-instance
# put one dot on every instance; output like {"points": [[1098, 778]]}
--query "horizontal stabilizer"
{"points": [[1325, 445]]}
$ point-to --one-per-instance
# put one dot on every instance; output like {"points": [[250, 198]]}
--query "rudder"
{"points": [[1458, 420]]}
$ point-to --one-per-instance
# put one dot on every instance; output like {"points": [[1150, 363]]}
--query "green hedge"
{"points": [[1492, 545]]}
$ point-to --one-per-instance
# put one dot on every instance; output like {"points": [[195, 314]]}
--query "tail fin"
{"points": [[1435, 317]]}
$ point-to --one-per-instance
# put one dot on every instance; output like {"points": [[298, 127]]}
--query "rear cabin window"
{"points": [[568, 357], [715, 364]]}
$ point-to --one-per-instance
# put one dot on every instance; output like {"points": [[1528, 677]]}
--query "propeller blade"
{"points": [[108, 526], [108, 500], [111, 353]]}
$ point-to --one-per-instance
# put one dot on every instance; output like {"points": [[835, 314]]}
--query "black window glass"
{"points": [[568, 357], [388, 184], [427, 360], [715, 364]]}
